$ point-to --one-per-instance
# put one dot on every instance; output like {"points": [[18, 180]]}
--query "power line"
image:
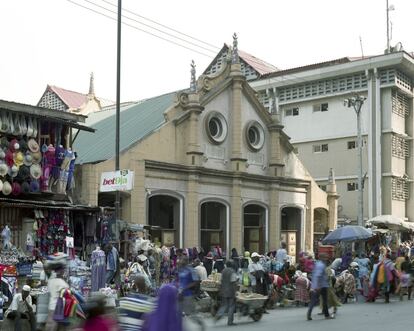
{"points": [[164, 26], [139, 29], [151, 27]]}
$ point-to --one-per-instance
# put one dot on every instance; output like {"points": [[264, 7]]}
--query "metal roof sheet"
{"points": [[137, 122]]}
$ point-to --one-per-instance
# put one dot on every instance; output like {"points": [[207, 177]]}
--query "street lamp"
{"points": [[356, 102]]}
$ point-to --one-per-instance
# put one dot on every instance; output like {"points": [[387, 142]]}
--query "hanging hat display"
{"points": [[4, 143], [35, 171], [24, 173], [23, 145], [18, 158], [7, 189], [28, 159], [4, 169], [33, 145], [25, 188], [16, 189], [34, 186], [14, 145], [36, 157], [13, 171]]}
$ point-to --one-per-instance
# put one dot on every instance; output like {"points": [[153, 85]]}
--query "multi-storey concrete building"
{"points": [[309, 103]]}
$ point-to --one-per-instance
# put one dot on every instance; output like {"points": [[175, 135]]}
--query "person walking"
{"points": [[188, 283], [166, 316], [228, 293], [319, 287], [112, 263]]}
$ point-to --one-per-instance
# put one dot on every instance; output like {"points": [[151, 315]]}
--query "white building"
{"points": [[309, 102]]}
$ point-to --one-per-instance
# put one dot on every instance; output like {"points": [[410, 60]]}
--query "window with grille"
{"points": [[323, 87], [400, 103], [320, 148], [399, 147], [352, 186], [320, 107], [292, 111], [352, 144], [399, 187]]}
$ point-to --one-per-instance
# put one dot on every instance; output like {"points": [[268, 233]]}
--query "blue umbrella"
{"points": [[347, 233]]}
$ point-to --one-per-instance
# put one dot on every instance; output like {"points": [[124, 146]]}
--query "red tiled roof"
{"points": [[75, 99], [70, 98], [262, 67]]}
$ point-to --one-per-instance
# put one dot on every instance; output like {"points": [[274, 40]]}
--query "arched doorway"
{"points": [[291, 229], [320, 225], [164, 217], [213, 221], [254, 223]]}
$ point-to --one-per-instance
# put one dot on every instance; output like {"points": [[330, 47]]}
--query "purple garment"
{"points": [[166, 317]]}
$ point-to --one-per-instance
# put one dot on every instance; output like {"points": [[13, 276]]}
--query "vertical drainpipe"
{"points": [[378, 136], [371, 145]]}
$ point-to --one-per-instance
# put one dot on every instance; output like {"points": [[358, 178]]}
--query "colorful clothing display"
{"points": [[98, 266]]}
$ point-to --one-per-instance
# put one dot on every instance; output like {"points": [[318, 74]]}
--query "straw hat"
{"points": [[28, 159], [35, 171], [33, 145], [34, 186], [13, 171], [16, 189], [14, 145], [7, 189], [36, 157], [25, 188], [4, 169], [18, 158]]}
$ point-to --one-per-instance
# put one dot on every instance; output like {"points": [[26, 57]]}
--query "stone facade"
{"points": [[220, 171]]}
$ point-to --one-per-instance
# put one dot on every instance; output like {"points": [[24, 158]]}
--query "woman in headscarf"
{"points": [[167, 316], [302, 288]]}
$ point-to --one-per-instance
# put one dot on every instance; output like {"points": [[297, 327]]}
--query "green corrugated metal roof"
{"points": [[136, 122]]}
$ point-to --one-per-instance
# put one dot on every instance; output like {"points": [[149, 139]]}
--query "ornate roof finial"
{"points": [[193, 85], [331, 176], [235, 54], [91, 85]]}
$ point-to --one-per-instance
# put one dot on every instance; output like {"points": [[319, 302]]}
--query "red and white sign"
{"points": [[122, 180]]}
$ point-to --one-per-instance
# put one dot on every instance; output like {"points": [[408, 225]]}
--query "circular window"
{"points": [[216, 127], [255, 136]]}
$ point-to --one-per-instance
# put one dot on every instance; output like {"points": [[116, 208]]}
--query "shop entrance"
{"points": [[213, 225], [291, 232], [254, 228], [320, 225], [164, 216]]}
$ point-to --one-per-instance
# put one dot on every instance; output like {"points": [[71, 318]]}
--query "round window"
{"points": [[216, 127], [255, 136]]}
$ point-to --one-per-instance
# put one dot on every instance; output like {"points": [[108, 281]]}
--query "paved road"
{"points": [[353, 316]]}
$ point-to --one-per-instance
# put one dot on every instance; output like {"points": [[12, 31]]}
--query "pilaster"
{"points": [[191, 222], [236, 226], [274, 219]]}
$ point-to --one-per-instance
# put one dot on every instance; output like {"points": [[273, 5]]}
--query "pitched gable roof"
{"points": [[259, 66], [137, 121]]}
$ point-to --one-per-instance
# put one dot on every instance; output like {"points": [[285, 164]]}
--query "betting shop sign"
{"points": [[121, 180]]}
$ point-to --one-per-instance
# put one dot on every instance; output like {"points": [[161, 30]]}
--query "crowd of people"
{"points": [[158, 286]]}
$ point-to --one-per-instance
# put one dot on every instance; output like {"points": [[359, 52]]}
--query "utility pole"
{"points": [[118, 112], [356, 102]]}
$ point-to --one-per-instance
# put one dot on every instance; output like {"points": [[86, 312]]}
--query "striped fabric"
{"points": [[131, 311]]}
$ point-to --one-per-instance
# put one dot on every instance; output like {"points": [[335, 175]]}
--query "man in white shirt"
{"points": [[281, 254], [200, 269], [20, 311]]}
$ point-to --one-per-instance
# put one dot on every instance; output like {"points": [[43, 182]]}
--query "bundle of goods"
{"points": [[111, 296], [212, 283]]}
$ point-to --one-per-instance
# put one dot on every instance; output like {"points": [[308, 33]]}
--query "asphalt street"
{"points": [[353, 316]]}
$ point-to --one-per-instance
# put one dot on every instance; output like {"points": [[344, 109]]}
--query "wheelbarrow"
{"points": [[251, 304]]}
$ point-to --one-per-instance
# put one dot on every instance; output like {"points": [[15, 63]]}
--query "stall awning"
{"points": [[45, 204], [46, 114]]}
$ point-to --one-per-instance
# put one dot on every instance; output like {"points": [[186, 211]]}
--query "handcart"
{"points": [[251, 304], [212, 288]]}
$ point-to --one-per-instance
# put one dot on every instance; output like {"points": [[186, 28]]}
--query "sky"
{"points": [[59, 43]]}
